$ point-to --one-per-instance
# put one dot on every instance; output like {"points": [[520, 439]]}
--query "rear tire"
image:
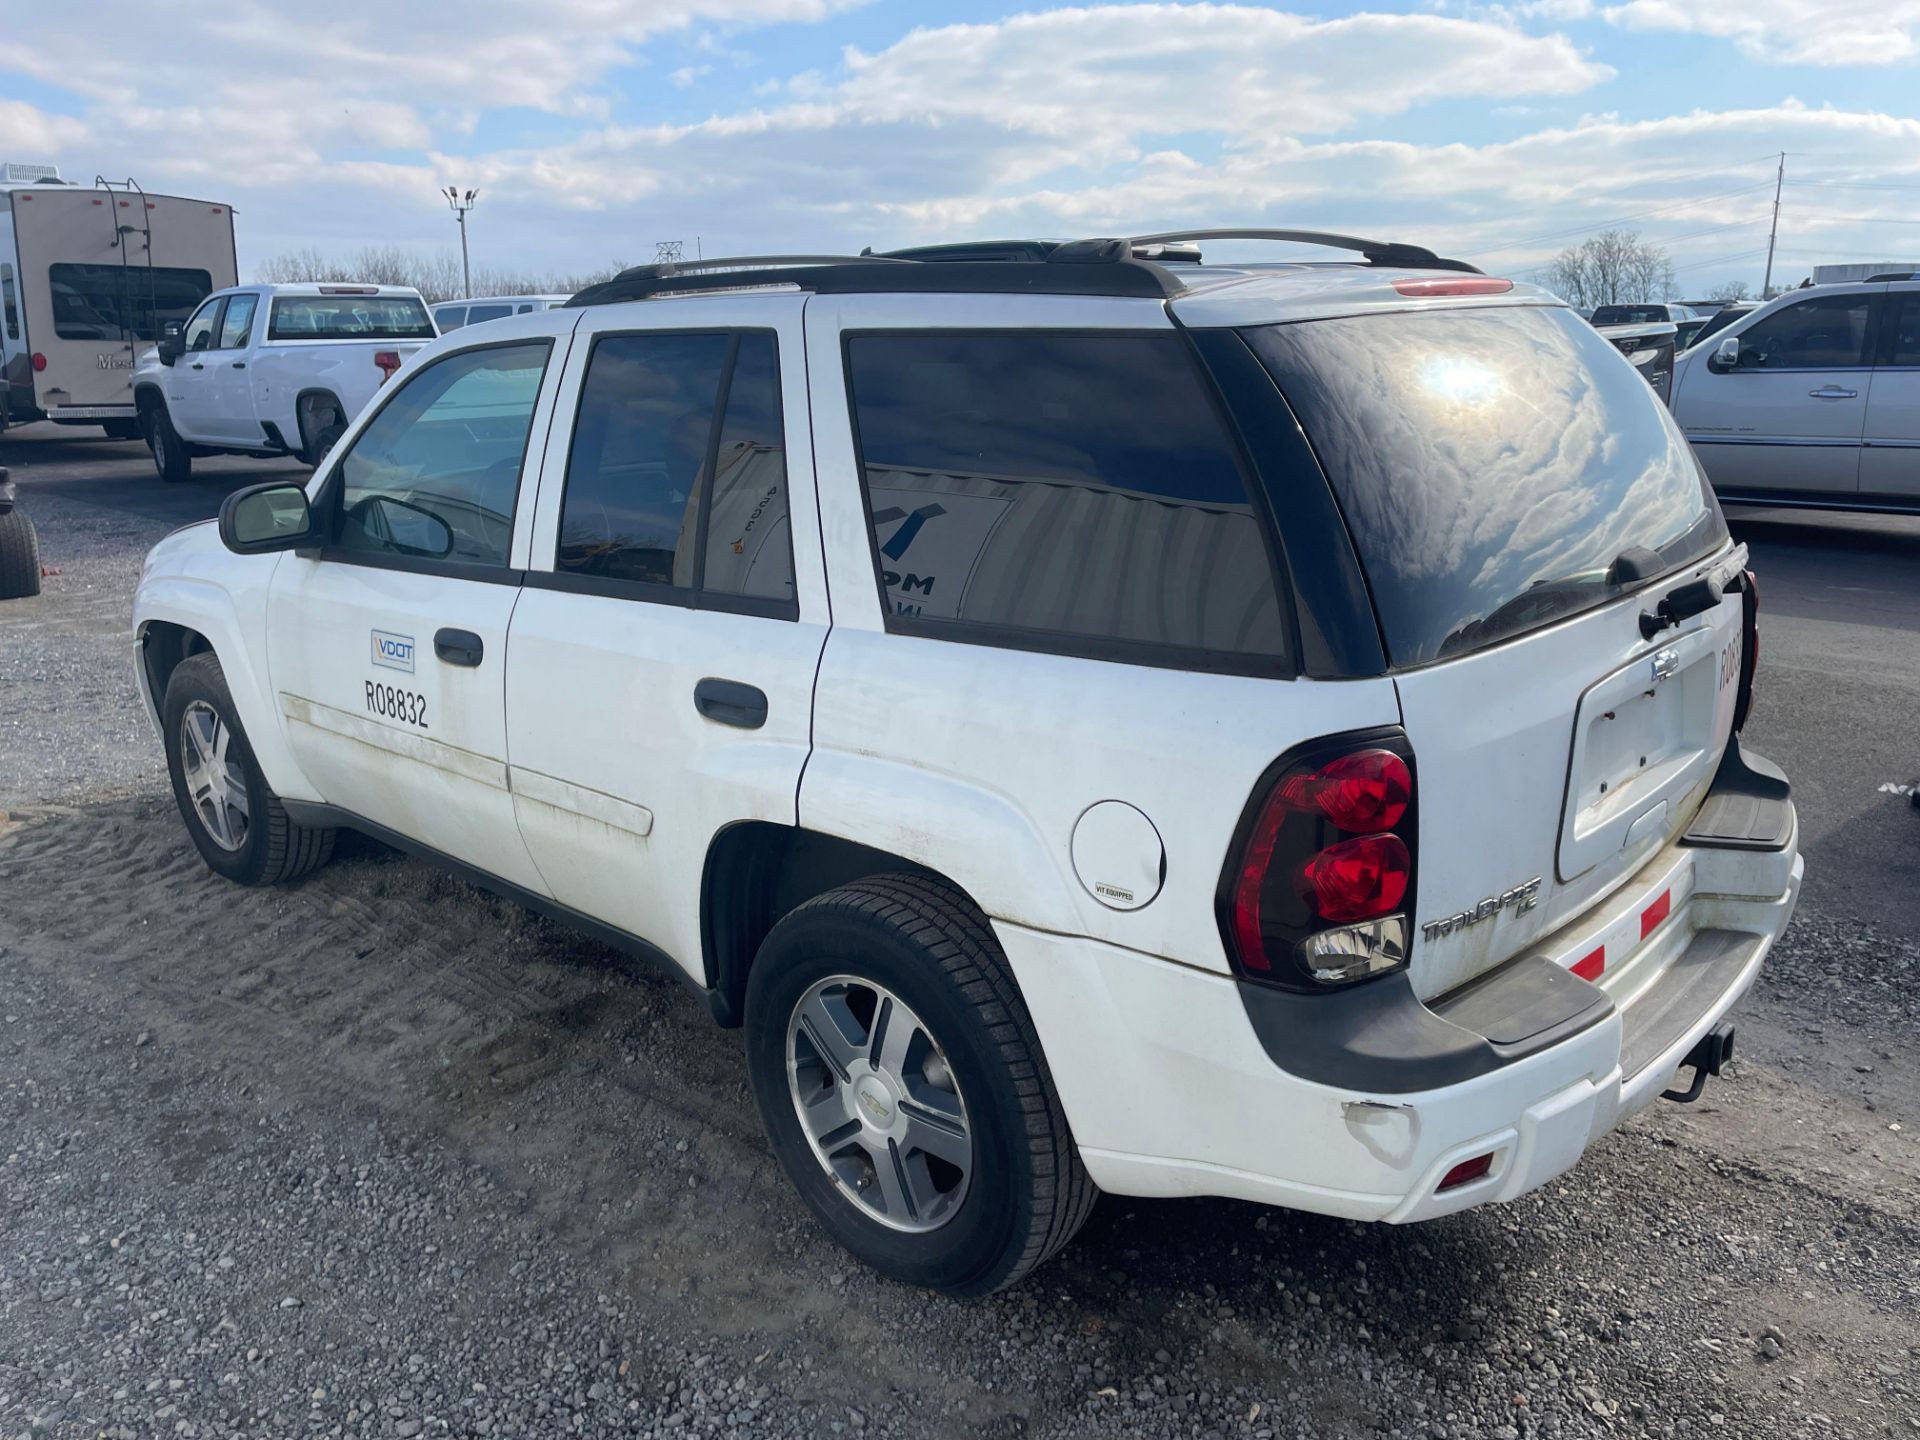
{"points": [[19, 557], [170, 456], [237, 823], [327, 426], [868, 952]]}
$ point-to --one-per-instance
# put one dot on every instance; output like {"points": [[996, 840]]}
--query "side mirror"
{"points": [[1726, 356], [265, 518], [170, 346]]}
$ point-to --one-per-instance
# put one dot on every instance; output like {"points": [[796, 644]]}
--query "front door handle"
{"points": [[198, 366], [1833, 392], [458, 647], [731, 702], [239, 364]]}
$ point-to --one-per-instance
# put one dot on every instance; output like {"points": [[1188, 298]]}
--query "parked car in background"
{"points": [[273, 370], [19, 546], [1811, 399], [1720, 320], [1650, 348], [1135, 817], [452, 314], [88, 275]]}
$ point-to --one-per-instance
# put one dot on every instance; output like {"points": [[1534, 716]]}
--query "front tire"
{"points": [[904, 1091], [19, 556], [170, 456], [236, 821]]}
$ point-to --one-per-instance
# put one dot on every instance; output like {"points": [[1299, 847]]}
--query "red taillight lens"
{"points": [[39, 361], [1361, 793], [1316, 892], [1358, 879], [1750, 638], [388, 361], [1454, 285], [1466, 1172]]}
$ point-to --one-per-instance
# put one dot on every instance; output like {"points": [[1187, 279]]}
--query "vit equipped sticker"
{"points": [[393, 651]]}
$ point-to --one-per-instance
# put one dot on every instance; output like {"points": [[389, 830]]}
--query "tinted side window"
{"points": [[749, 548], [7, 303], [488, 312], [1075, 493], [107, 302], [239, 322], [640, 443], [200, 331], [1827, 330], [1905, 349], [436, 473], [451, 319]]}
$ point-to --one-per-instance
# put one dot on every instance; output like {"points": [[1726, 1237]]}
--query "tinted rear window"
{"points": [[1492, 465], [1631, 315], [1077, 494], [350, 317], [114, 302]]}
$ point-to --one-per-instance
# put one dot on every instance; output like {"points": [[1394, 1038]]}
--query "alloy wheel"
{"points": [[216, 783], [879, 1103]]}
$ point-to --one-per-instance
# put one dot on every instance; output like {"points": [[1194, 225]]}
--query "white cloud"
{"points": [[688, 75], [27, 133], [1800, 32]]}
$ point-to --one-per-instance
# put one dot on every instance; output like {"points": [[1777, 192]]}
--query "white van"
{"points": [[452, 314], [1812, 399]]}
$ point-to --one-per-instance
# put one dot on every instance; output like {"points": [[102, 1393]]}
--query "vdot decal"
{"points": [[395, 652]]}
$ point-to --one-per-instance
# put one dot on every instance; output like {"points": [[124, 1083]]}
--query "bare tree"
{"points": [[435, 274], [1731, 291], [1613, 268]]}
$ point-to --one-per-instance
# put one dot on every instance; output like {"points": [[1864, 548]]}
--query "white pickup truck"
{"points": [[272, 370]]}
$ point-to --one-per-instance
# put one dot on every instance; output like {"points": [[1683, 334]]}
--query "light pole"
{"points": [[461, 205]]}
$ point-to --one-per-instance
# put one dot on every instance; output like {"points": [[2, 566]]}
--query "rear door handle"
{"points": [[458, 647], [239, 364], [730, 702], [1832, 392]]}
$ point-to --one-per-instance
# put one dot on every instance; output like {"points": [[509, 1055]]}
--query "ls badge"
{"points": [[394, 652]]}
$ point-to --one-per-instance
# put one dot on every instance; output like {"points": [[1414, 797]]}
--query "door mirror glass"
{"points": [[401, 528], [170, 346], [264, 518], [1726, 355]]}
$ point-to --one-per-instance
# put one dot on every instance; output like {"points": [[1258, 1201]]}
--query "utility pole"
{"points": [[1766, 285], [461, 205]]}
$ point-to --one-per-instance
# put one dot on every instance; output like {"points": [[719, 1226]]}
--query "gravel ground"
{"points": [[380, 1155]]}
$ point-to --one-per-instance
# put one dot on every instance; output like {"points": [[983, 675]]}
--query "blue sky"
{"points": [[1499, 131]]}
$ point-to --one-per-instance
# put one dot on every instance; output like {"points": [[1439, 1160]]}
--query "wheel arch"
{"points": [[303, 403], [146, 397], [178, 617], [756, 873]]}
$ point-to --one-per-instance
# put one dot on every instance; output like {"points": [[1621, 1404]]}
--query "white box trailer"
{"points": [[88, 274]]}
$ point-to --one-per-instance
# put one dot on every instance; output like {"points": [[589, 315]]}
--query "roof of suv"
{"points": [[1166, 267]]}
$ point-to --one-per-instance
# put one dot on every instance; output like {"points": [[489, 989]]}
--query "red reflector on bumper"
{"points": [[1467, 1171], [1589, 967], [1651, 917]]}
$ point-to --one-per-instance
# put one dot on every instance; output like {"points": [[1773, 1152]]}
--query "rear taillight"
{"points": [[1749, 648], [1320, 884], [388, 361], [39, 362]]}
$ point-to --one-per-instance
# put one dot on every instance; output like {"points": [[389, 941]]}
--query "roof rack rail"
{"points": [[1144, 266], [1377, 252], [1892, 275], [1077, 267]]}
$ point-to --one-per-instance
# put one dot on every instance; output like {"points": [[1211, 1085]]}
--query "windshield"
{"points": [[1493, 466], [350, 317]]}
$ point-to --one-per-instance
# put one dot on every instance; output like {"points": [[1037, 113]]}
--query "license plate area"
{"points": [[1643, 735]]}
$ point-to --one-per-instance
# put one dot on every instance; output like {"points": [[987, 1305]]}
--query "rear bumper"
{"points": [[1174, 1085]]}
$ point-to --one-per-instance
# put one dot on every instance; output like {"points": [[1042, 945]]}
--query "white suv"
{"points": [[1812, 399], [1265, 731]]}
